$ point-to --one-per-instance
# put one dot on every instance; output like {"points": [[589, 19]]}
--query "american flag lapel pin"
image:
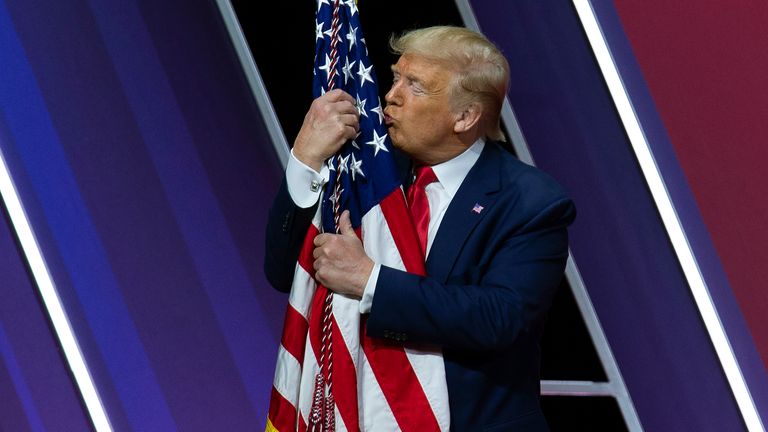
{"points": [[477, 208]]}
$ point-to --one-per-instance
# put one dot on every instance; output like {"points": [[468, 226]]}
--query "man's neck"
{"points": [[449, 150]]}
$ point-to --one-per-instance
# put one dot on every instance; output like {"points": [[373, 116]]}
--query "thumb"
{"points": [[345, 224]]}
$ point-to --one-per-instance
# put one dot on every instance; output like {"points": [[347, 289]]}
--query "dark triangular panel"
{"points": [[567, 349]]}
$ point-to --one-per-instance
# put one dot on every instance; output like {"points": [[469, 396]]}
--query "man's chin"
{"points": [[395, 142]]}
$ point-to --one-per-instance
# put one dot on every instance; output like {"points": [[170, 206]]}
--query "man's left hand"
{"points": [[340, 261]]}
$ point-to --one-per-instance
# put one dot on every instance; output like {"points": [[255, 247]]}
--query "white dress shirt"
{"points": [[305, 184]]}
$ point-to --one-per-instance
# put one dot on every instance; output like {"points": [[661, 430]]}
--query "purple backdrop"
{"points": [[145, 169], [618, 241]]}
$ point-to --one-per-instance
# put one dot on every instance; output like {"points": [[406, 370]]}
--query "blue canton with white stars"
{"points": [[368, 171]]}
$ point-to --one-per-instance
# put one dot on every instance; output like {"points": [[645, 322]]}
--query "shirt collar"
{"points": [[451, 173]]}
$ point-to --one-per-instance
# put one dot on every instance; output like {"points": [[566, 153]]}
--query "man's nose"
{"points": [[391, 97]]}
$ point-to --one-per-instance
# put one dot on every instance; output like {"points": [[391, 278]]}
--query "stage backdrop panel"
{"points": [[36, 391], [146, 171], [705, 66], [618, 241]]}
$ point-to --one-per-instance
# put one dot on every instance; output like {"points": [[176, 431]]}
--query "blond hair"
{"points": [[482, 72]]}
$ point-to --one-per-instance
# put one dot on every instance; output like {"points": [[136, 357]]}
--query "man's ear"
{"points": [[468, 118]]}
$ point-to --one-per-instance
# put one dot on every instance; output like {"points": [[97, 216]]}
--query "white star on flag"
{"points": [[347, 70], [352, 5], [343, 164], [352, 36], [378, 143], [354, 141], [333, 198], [380, 112], [364, 73], [355, 167], [361, 106], [318, 30], [326, 67]]}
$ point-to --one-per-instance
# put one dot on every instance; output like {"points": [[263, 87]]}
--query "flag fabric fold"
{"points": [[329, 374]]}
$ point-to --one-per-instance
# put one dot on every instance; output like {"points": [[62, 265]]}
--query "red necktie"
{"points": [[419, 205]]}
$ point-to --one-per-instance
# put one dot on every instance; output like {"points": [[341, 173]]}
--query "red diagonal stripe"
{"points": [[306, 260], [281, 413], [398, 219], [344, 373], [316, 320], [390, 365], [344, 381], [400, 385], [294, 333], [302, 424]]}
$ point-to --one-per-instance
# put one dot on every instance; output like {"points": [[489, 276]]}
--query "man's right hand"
{"points": [[332, 119]]}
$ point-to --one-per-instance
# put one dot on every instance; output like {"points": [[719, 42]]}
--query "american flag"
{"points": [[329, 375]]}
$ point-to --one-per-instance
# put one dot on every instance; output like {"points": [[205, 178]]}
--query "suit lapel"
{"points": [[471, 203]]}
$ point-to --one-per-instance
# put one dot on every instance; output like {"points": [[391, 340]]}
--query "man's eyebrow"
{"points": [[407, 75]]}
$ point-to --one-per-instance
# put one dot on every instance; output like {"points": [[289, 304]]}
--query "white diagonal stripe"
{"points": [[430, 370], [287, 373], [375, 414]]}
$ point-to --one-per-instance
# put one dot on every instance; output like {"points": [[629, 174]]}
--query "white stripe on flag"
{"points": [[303, 288], [302, 291], [346, 311], [429, 367], [287, 373], [307, 374], [375, 414], [340, 426], [308, 386], [378, 241]]}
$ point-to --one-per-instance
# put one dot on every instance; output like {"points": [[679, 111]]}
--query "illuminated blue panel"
{"points": [[146, 172]]}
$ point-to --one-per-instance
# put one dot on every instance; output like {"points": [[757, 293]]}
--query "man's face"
{"points": [[418, 112]]}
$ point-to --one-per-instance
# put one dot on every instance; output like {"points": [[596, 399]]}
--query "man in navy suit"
{"points": [[496, 240]]}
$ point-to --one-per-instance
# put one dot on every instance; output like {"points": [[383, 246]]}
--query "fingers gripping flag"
{"points": [[329, 374]]}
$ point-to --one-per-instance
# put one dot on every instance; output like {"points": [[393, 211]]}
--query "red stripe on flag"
{"points": [[302, 424], [400, 385], [389, 362], [316, 320], [306, 260], [344, 381], [344, 373], [395, 211], [294, 333], [281, 413]]}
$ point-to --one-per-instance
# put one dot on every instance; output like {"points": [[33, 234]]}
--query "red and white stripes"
{"points": [[377, 386]]}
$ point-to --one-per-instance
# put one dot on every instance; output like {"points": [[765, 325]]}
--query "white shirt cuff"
{"points": [[304, 183], [370, 288]]}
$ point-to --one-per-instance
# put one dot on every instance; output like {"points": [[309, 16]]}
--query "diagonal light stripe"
{"points": [[51, 300], [258, 88], [669, 216]]}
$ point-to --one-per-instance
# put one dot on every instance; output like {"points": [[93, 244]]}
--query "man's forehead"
{"points": [[415, 62]]}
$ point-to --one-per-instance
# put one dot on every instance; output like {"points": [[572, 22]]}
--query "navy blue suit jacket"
{"points": [[491, 278]]}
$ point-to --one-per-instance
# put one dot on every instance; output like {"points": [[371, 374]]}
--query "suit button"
{"points": [[286, 222]]}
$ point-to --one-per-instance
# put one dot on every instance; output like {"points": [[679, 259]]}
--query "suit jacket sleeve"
{"points": [[287, 227], [501, 289]]}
